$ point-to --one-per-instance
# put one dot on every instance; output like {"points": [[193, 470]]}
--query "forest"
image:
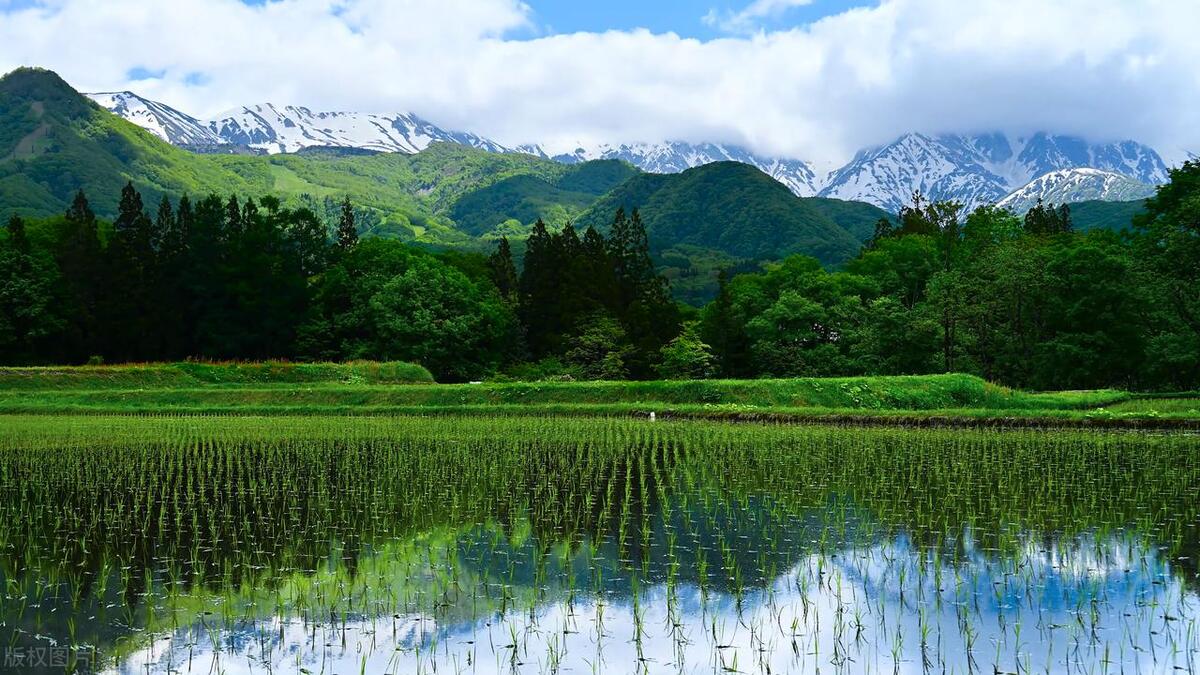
{"points": [[1029, 302]]}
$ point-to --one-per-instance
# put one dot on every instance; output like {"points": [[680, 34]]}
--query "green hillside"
{"points": [[1097, 215], [525, 198], [54, 141], [738, 210]]}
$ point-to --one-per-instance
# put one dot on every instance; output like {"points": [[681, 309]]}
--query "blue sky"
{"points": [[684, 17]]}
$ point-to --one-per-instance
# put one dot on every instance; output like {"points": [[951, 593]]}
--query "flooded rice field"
{"points": [[444, 545]]}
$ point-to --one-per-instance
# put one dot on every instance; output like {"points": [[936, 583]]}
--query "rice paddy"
{"points": [[524, 545]]}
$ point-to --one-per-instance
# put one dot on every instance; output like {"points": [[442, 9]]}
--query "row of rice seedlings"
{"points": [[859, 543]]}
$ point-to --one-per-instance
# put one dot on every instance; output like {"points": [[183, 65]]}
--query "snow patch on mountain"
{"points": [[1076, 185], [162, 120], [277, 129], [677, 156], [973, 169], [979, 169]]}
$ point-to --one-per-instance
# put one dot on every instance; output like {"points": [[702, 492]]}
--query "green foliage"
{"points": [[736, 209], [687, 357], [1097, 215], [435, 316]]}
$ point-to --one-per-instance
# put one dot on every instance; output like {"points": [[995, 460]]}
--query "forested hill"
{"points": [[54, 142], [739, 210]]}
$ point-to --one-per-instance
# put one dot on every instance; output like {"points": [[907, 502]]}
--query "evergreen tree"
{"points": [[347, 230], [538, 306], [645, 308], [503, 271], [1043, 220], [596, 268], [126, 316], [883, 229], [724, 330], [17, 237], [79, 263], [232, 225]]}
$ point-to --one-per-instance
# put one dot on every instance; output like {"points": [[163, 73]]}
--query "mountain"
{"points": [[290, 128], [277, 129], [735, 209], [167, 123], [980, 169], [675, 157], [1096, 215], [54, 141], [505, 207], [972, 169], [1076, 185]]}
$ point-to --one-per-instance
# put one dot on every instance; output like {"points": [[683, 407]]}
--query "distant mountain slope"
{"points": [[972, 169], [981, 169], [1097, 215], [1076, 185], [167, 123], [729, 207], [526, 198], [675, 157], [289, 128], [54, 141]]}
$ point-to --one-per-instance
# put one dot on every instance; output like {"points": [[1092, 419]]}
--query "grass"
{"points": [[366, 388], [168, 377]]}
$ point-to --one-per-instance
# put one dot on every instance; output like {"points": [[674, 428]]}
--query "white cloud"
{"points": [[747, 20], [1105, 69]]}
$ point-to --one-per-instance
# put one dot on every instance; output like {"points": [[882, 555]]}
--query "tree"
{"points": [[347, 229], [78, 255], [126, 308], [722, 327], [1167, 246], [28, 302], [600, 351], [539, 285], [686, 357], [503, 271], [18, 238], [434, 315], [1043, 220], [644, 305]]}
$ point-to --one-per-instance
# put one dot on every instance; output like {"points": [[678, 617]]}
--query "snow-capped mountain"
{"points": [[972, 169], [674, 157], [292, 128], [167, 123], [979, 169], [1076, 185], [275, 129]]}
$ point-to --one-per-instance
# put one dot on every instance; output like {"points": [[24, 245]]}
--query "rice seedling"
{"points": [[442, 544]]}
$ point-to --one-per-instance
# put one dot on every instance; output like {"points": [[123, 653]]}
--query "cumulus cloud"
{"points": [[1104, 69], [747, 19]]}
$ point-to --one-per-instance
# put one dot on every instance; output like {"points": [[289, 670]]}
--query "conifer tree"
{"points": [[17, 237], [725, 331], [80, 267], [503, 270], [347, 230], [538, 288]]}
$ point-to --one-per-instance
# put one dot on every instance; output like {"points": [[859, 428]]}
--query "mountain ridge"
{"points": [[1071, 186]]}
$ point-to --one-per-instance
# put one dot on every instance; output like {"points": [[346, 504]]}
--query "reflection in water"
{"points": [[482, 546], [1087, 607]]}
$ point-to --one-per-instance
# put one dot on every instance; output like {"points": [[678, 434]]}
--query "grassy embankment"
{"points": [[391, 388]]}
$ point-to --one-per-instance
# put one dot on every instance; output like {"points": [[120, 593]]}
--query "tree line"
{"points": [[1024, 301]]}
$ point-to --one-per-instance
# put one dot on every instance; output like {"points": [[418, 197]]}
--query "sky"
{"points": [[807, 79]]}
